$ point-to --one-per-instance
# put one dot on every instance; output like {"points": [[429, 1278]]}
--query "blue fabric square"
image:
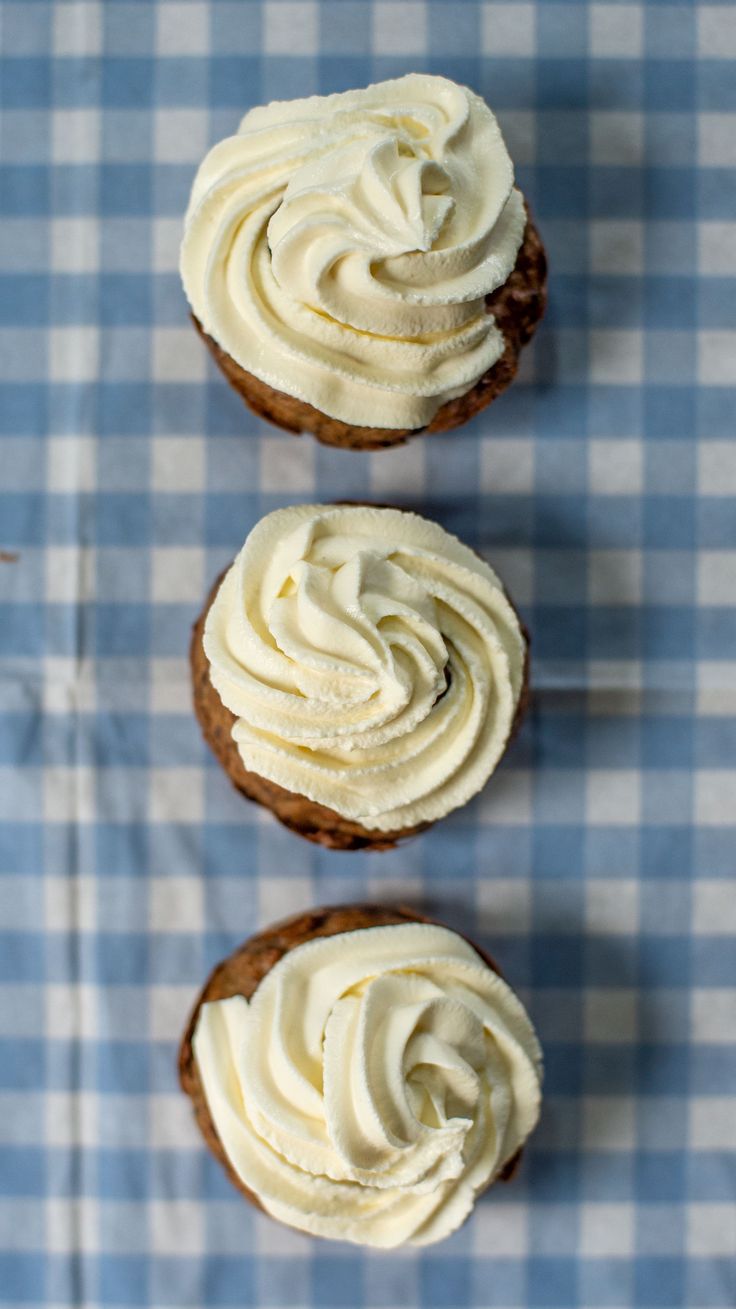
{"points": [[234, 81], [123, 1280], [659, 1281], [552, 1281], [26, 82], [710, 1281], [125, 189], [228, 1280], [22, 1276], [444, 1283], [337, 1280], [122, 629]]}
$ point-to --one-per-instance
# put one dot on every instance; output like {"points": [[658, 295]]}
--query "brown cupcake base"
{"points": [[244, 970], [518, 307], [315, 822]]}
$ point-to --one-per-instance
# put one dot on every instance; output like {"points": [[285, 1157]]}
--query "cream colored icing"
{"points": [[373, 661], [376, 1081], [341, 247]]}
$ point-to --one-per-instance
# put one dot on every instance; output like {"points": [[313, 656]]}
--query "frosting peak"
{"points": [[373, 662], [375, 1082], [341, 247]]}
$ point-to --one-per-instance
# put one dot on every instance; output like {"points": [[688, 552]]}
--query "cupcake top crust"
{"points": [[340, 248], [376, 1081], [372, 661]]}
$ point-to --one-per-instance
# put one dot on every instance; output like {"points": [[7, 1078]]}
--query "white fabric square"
{"points": [[609, 1123], [75, 136], [176, 795], [171, 1123], [717, 140], [617, 246], [177, 1225], [71, 1011], [69, 795], [175, 904], [178, 355], [615, 466], [717, 577], [278, 896], [287, 466], [178, 464], [714, 908], [508, 29], [74, 354], [717, 31], [77, 28], [399, 27], [617, 137], [507, 465], [507, 799], [279, 1241], [711, 1230], [506, 900], [502, 1227], [399, 465], [713, 1014], [71, 464], [75, 245], [717, 357], [712, 1122], [182, 28], [68, 685], [717, 468], [613, 798], [70, 574], [516, 569], [717, 247], [166, 237], [715, 797], [616, 31], [177, 574], [519, 128], [72, 1225], [179, 135], [171, 686], [607, 1230], [616, 356], [71, 1119], [611, 1015], [69, 903], [612, 906], [614, 577], [716, 687], [290, 27]]}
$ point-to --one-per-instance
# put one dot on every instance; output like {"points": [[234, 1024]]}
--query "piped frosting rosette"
{"points": [[341, 247], [376, 1081], [372, 661]]}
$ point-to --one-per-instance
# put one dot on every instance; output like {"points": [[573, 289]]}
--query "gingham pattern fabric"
{"points": [[596, 867]]}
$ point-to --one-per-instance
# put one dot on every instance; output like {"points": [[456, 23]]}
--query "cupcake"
{"points": [[359, 671], [361, 265], [362, 1074]]}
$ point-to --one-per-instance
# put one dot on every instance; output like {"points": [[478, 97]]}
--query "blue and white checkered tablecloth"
{"points": [[598, 866]]}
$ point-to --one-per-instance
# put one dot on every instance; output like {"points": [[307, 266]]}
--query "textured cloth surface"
{"points": [[596, 866]]}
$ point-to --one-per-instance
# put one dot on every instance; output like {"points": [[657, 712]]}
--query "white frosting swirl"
{"points": [[373, 661], [374, 1084], [341, 247]]}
